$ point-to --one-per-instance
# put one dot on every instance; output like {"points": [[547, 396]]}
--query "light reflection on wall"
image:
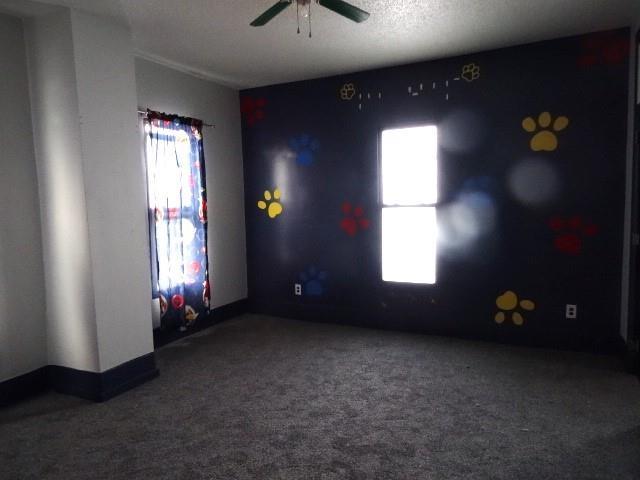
{"points": [[282, 181], [460, 224], [533, 181]]}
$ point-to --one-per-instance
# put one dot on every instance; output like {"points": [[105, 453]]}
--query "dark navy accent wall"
{"points": [[529, 221]]}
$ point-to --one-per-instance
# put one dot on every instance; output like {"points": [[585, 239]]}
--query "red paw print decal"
{"points": [[603, 49], [353, 220], [570, 233], [252, 109]]}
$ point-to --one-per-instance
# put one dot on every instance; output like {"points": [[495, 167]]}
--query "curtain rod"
{"points": [[144, 114]]}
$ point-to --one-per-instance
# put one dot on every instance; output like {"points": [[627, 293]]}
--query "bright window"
{"points": [[409, 195], [177, 218]]}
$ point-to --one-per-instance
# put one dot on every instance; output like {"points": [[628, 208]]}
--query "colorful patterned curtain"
{"points": [[177, 218]]}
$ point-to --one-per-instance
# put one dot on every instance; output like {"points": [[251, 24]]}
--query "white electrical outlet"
{"points": [[571, 311], [297, 288]]}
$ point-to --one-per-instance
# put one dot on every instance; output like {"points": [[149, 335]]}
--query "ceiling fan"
{"points": [[339, 6]]}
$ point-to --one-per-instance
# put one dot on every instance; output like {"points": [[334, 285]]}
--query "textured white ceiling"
{"points": [[213, 37]]}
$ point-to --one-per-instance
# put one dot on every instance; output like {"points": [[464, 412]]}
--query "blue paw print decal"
{"points": [[479, 184], [305, 148], [313, 282]]}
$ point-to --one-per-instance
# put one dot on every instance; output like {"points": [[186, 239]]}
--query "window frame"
{"points": [[185, 210], [382, 205]]}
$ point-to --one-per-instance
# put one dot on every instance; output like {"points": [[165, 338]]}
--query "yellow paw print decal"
{"points": [[507, 302], [272, 204], [471, 72], [347, 91], [546, 139]]}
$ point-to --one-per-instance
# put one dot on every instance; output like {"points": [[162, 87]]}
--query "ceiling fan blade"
{"points": [[345, 9], [270, 13]]}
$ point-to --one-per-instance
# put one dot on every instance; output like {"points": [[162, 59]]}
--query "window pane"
{"points": [[170, 168], [409, 244], [410, 166]]}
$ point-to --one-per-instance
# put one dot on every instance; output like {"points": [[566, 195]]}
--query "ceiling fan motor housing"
{"points": [[338, 6]]}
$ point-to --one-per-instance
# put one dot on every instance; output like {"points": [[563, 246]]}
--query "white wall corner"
{"points": [[70, 310], [115, 187]]}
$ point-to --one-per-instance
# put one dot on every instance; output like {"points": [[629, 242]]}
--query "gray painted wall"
{"points": [[92, 193], [91, 207], [71, 328], [114, 181], [22, 302], [163, 89]]}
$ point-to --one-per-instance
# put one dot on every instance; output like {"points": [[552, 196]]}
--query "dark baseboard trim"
{"points": [[102, 386], [396, 321], [23, 386], [217, 315], [94, 386], [632, 357], [128, 375]]}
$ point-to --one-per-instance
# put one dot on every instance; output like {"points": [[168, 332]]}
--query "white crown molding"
{"points": [[194, 72]]}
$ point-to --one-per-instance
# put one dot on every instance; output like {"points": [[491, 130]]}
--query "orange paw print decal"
{"points": [[470, 72], [508, 304], [347, 91], [545, 138]]}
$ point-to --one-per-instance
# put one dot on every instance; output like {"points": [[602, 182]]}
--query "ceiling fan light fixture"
{"points": [[338, 6]]}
